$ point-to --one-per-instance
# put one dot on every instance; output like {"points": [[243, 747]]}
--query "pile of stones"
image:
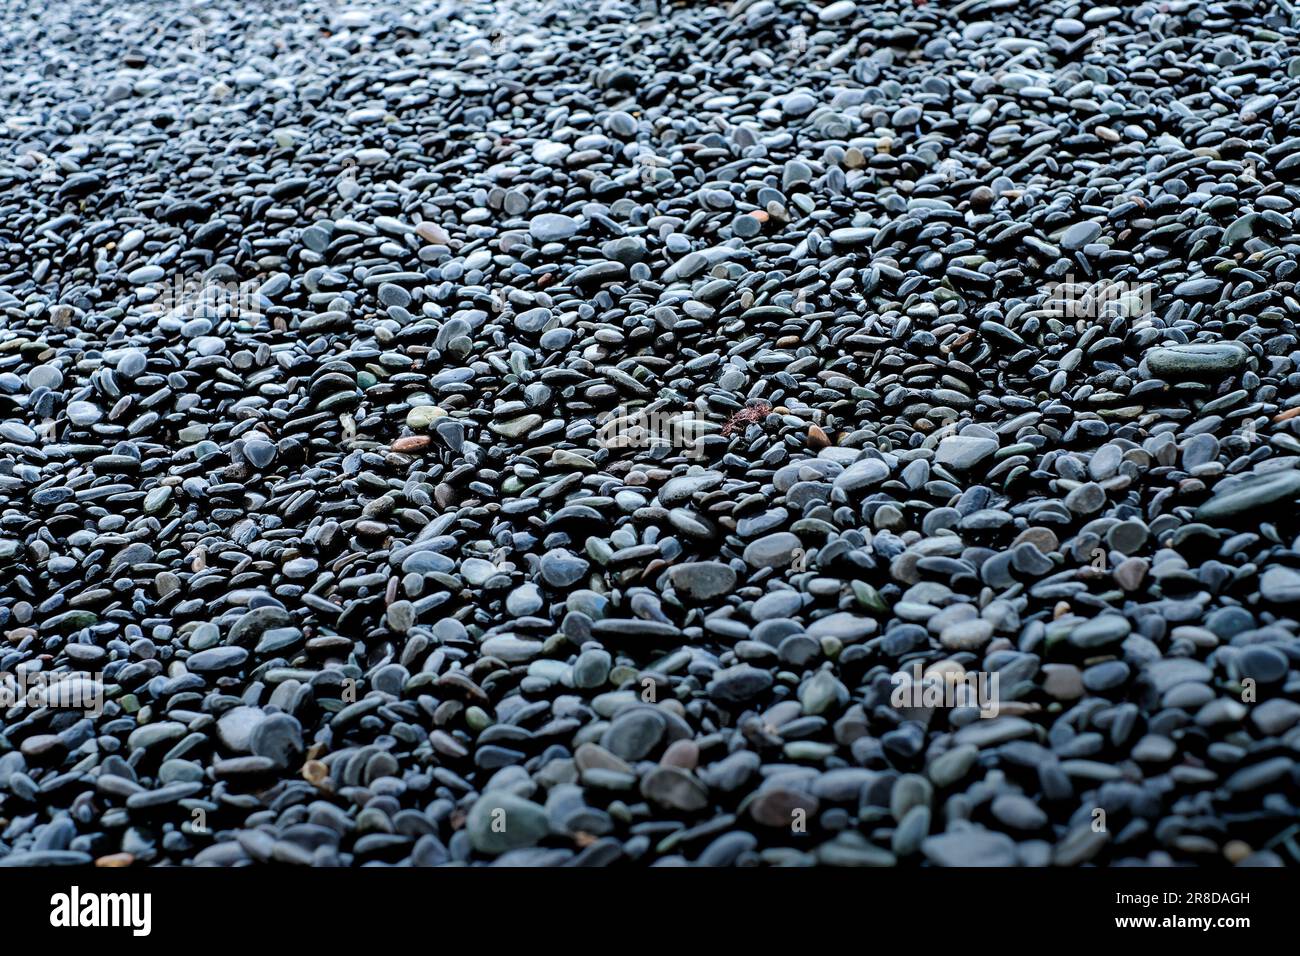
{"points": [[558, 432]]}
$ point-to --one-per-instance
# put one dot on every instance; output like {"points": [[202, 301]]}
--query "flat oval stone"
{"points": [[1196, 360]]}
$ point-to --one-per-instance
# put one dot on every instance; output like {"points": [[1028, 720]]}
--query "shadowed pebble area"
{"points": [[550, 433]]}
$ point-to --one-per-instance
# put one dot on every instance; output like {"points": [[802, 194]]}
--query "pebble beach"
{"points": [[555, 433]]}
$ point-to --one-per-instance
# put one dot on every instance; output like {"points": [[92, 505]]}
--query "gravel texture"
{"points": [[580, 433]]}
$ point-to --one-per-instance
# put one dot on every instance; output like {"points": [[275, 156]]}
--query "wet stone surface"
{"points": [[565, 433]]}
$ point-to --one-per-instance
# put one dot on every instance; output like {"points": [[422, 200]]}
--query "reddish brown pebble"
{"points": [[410, 443], [681, 753]]}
